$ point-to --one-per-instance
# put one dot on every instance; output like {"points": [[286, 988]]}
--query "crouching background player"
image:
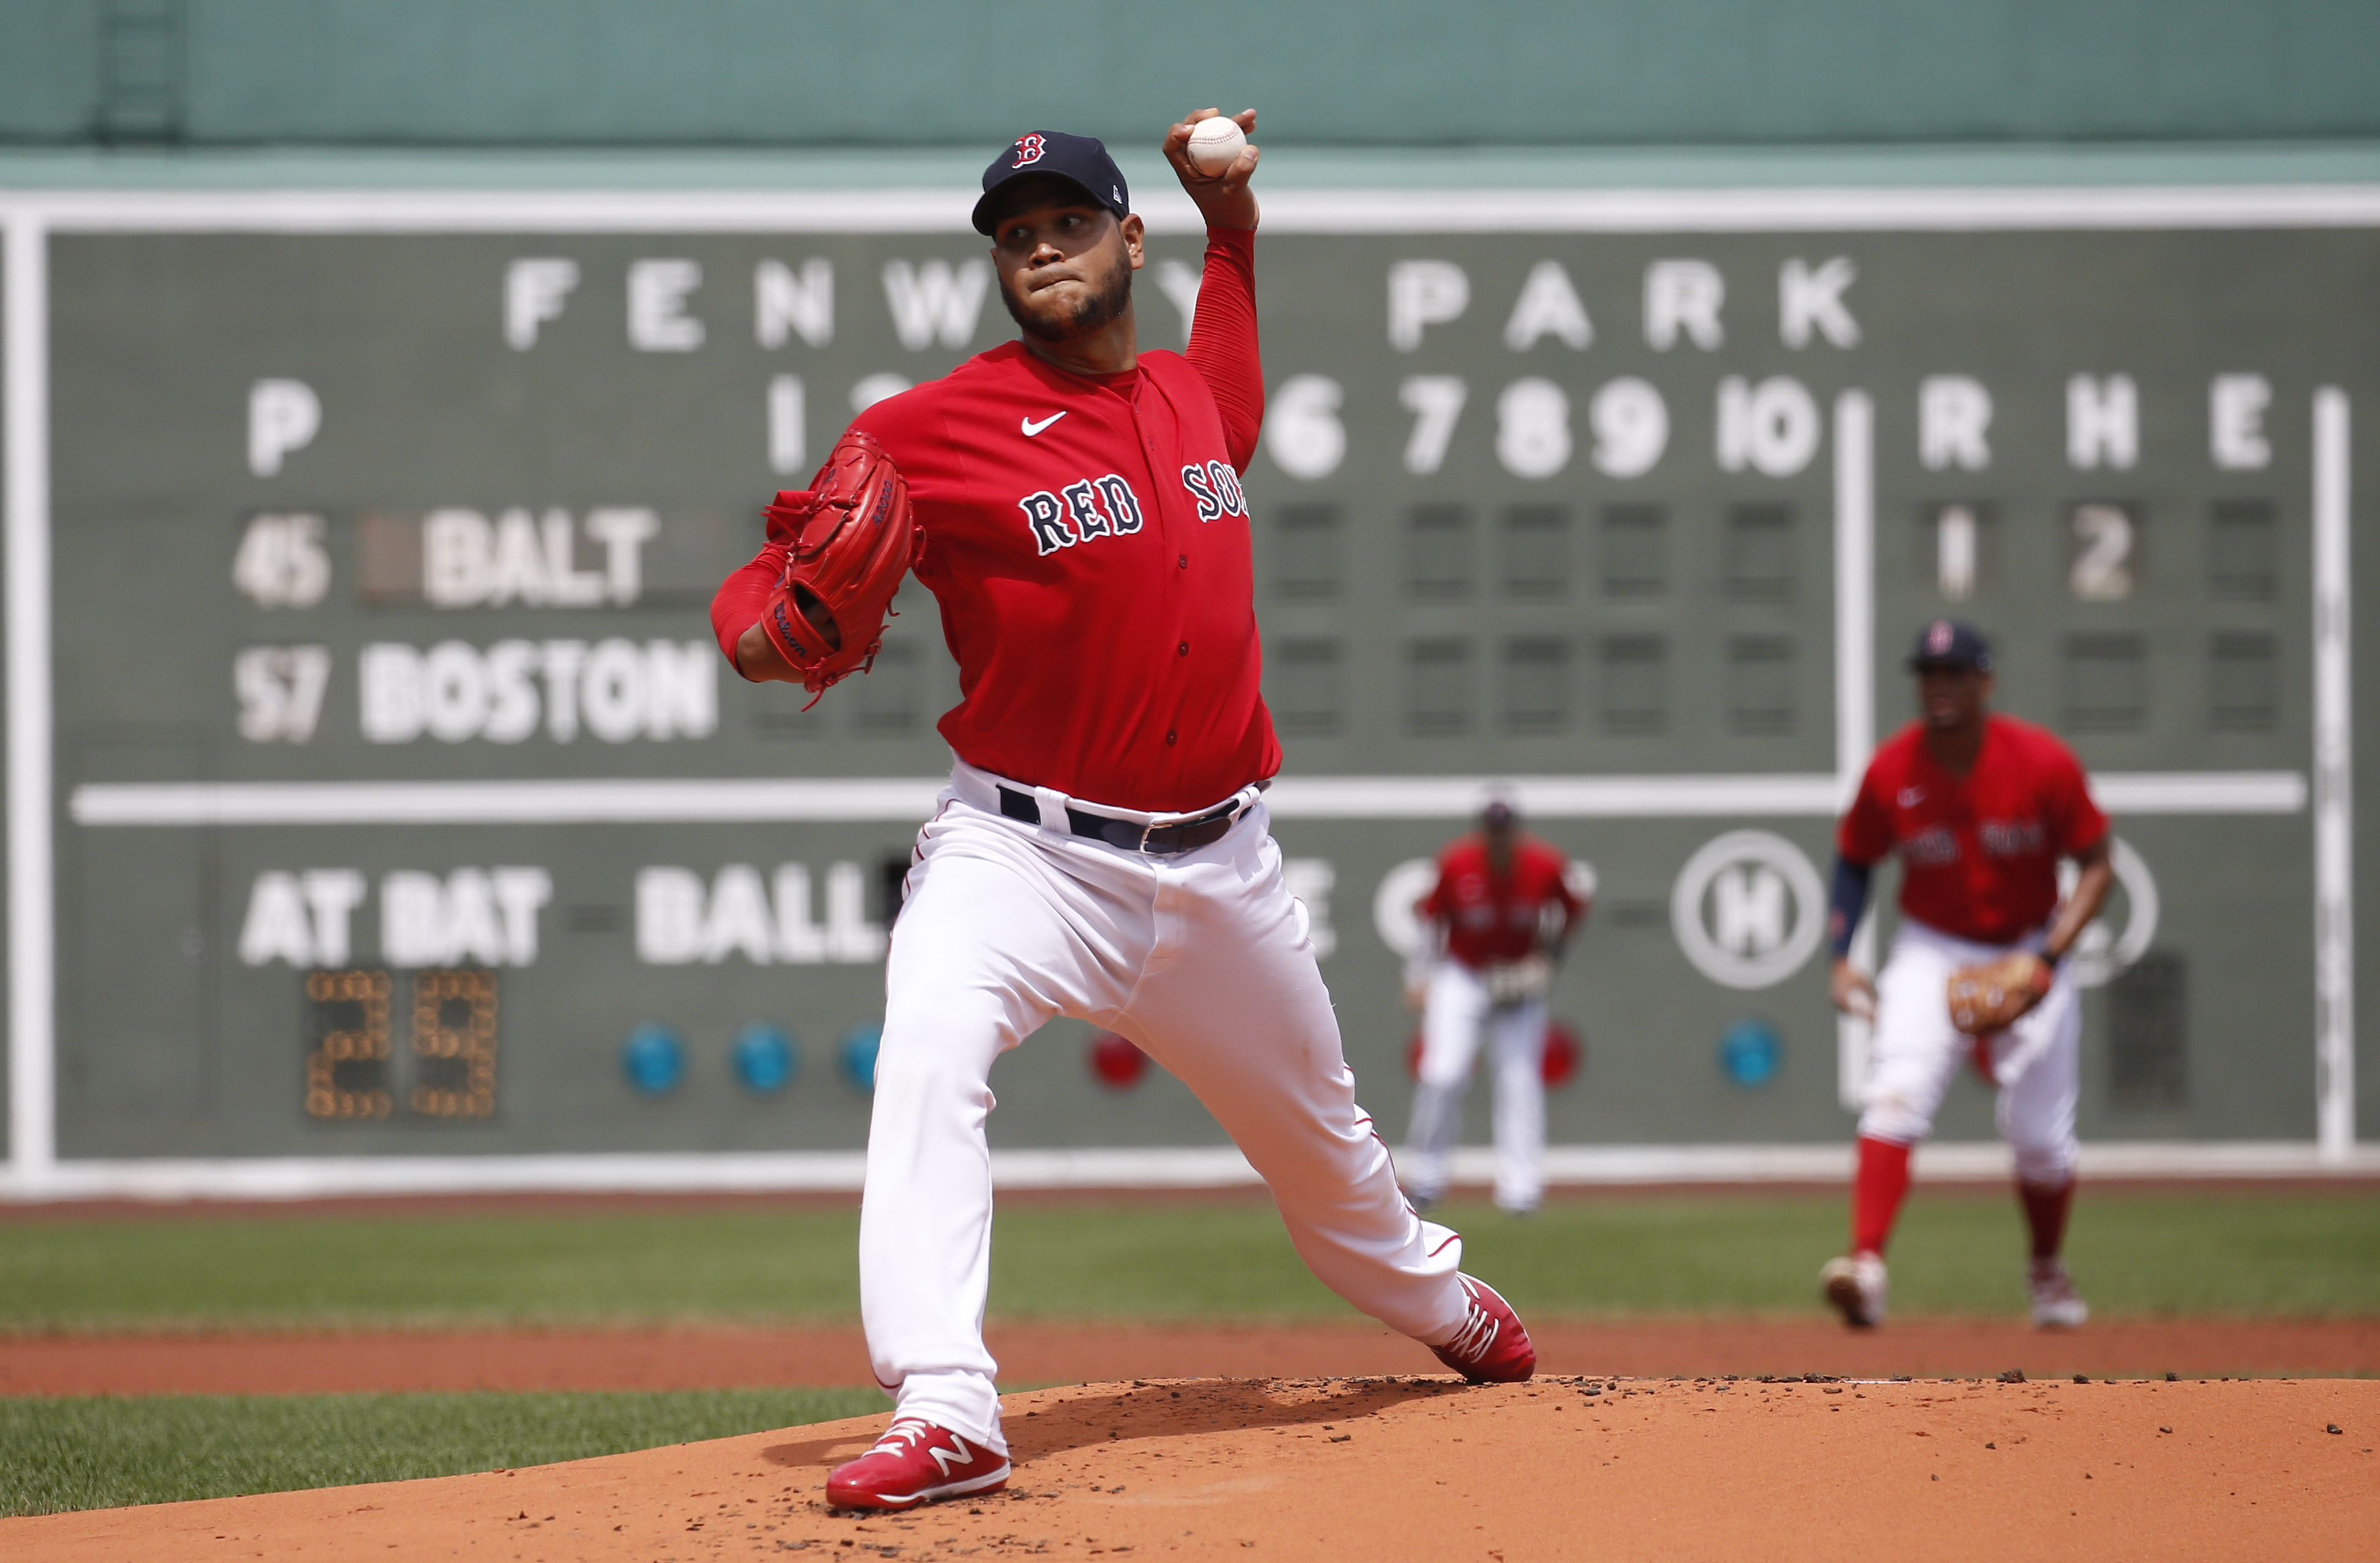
{"points": [[1103, 849], [1981, 808]]}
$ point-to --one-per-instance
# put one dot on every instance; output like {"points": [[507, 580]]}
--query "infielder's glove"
{"points": [[852, 540], [1993, 996], [1515, 982]]}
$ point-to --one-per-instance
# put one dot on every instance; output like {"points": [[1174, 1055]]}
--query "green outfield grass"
{"points": [[104, 1453], [2279, 1254], [2289, 1253]]}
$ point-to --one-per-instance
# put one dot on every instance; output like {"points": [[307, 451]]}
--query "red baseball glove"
{"points": [[852, 540], [1993, 997]]}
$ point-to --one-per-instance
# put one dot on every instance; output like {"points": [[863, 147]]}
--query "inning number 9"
{"points": [[1632, 427]]}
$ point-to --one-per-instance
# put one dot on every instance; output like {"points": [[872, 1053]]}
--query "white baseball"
{"points": [[1215, 144]]}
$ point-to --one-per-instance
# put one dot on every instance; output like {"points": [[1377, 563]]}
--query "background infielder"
{"points": [[1104, 849], [1981, 808], [1494, 925]]}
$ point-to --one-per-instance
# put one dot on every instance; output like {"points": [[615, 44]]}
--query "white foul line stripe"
{"points": [[909, 799]]}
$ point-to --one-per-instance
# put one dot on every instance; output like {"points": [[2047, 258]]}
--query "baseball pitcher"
{"points": [[1981, 808], [1073, 503]]}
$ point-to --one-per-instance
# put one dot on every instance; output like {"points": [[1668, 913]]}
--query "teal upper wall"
{"points": [[702, 73]]}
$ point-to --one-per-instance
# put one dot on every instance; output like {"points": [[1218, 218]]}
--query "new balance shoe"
{"points": [[916, 1462], [1853, 1284], [1491, 1347], [2055, 1303]]}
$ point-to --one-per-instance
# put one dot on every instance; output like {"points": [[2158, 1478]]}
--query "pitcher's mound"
{"points": [[1420, 1469]]}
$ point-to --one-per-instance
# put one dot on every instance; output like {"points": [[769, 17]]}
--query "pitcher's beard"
{"points": [[1086, 316]]}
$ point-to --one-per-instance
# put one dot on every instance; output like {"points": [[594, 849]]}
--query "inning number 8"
{"points": [[1533, 428]]}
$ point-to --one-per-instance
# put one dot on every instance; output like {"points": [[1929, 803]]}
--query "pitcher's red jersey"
{"points": [[1087, 540]]}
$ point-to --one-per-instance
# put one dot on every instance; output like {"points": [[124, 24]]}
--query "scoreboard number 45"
{"points": [[282, 562]]}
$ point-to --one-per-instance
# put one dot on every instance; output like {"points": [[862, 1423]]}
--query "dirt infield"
{"points": [[1396, 1469], [714, 1359]]}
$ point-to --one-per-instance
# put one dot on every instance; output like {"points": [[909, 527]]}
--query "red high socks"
{"points": [[1877, 1193], [2045, 1208]]}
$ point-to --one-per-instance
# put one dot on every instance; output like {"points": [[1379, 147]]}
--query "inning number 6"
{"points": [[1302, 427]]}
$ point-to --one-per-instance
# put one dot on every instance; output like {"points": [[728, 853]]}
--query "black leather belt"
{"points": [[1165, 840]]}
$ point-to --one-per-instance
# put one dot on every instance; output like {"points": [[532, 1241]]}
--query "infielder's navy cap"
{"points": [[1083, 160], [1950, 643]]}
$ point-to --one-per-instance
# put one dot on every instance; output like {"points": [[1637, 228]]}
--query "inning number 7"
{"points": [[1436, 401]]}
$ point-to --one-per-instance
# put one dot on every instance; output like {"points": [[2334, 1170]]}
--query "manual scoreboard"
{"points": [[404, 807]]}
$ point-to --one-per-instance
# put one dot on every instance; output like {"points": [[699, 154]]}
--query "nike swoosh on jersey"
{"points": [[1032, 427]]}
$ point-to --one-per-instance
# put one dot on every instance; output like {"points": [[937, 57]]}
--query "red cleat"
{"points": [[915, 1462], [1491, 1347]]}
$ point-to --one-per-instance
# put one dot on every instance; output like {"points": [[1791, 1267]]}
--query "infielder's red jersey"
{"points": [[1087, 540], [1979, 852], [1490, 918]]}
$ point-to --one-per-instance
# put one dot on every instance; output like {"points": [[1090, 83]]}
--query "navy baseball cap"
{"points": [[1952, 643], [1083, 160]]}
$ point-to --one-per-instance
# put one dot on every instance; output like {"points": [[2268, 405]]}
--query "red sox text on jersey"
{"points": [[1087, 540], [1106, 507]]}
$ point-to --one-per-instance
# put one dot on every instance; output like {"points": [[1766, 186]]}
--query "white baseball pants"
{"points": [[1201, 959], [1916, 1051], [1454, 1016]]}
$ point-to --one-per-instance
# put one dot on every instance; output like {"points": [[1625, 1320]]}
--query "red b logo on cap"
{"points": [[1029, 150]]}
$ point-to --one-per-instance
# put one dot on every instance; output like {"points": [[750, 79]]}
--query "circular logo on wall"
{"points": [[1748, 909]]}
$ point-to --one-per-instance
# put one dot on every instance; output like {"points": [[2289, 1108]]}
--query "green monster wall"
{"points": [[1640, 379], [617, 73], [441, 511]]}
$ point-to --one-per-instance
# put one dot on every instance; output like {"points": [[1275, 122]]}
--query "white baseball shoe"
{"points": [[1853, 1284], [2055, 1303]]}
